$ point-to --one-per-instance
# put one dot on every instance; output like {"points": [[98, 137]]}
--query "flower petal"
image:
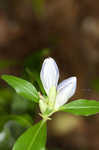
{"points": [[65, 89], [49, 74]]}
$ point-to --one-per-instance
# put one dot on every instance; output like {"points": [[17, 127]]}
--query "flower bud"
{"points": [[52, 96], [42, 105]]}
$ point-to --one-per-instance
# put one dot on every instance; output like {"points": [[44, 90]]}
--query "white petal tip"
{"points": [[74, 79], [49, 59], [74, 82]]}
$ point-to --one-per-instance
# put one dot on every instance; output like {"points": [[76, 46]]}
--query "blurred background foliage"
{"points": [[68, 31]]}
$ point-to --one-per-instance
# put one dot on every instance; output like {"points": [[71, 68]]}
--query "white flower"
{"points": [[49, 77]]}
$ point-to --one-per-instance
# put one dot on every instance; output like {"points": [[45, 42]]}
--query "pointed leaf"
{"points": [[22, 87], [33, 139], [82, 107]]}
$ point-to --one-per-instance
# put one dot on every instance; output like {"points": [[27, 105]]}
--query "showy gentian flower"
{"points": [[58, 95]]}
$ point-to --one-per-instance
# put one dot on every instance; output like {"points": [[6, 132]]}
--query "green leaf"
{"points": [[36, 76], [81, 107], [20, 105], [22, 87], [33, 139], [22, 120]]}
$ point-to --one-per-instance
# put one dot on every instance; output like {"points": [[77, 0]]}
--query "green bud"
{"points": [[52, 96], [42, 105]]}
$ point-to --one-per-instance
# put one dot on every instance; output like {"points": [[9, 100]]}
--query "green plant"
{"points": [[53, 101]]}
